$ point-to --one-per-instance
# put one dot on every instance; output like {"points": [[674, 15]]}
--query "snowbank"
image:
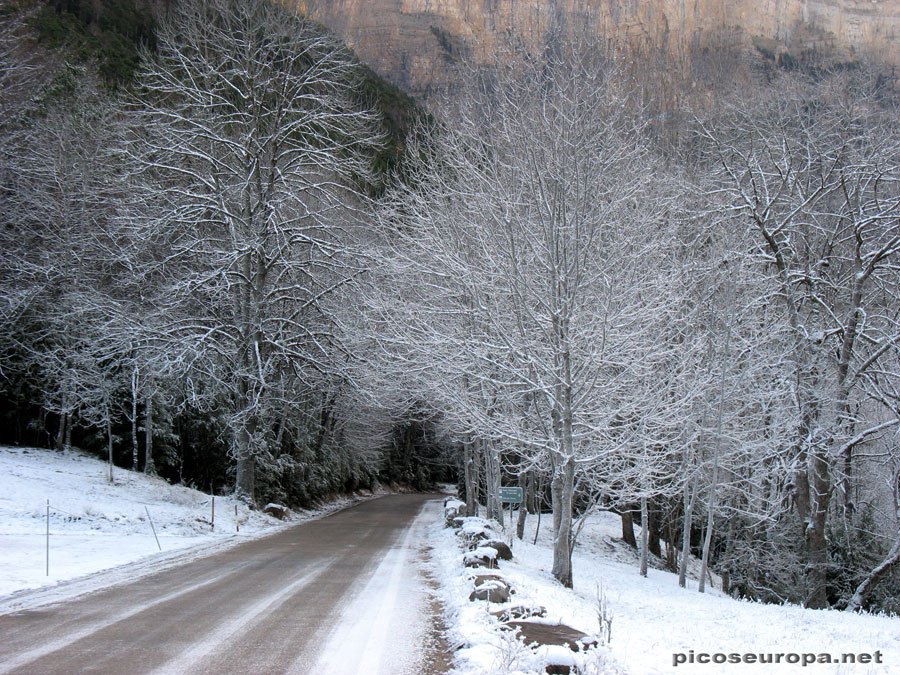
{"points": [[480, 646], [654, 622], [95, 525]]}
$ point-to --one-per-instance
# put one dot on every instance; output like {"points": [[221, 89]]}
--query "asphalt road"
{"points": [[342, 595]]}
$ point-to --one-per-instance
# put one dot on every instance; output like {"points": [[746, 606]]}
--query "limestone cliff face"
{"points": [[412, 41], [867, 28]]}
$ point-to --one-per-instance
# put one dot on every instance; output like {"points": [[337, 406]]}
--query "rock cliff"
{"points": [[411, 41]]}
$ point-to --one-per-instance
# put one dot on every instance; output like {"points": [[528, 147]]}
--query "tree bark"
{"points": [[149, 467], [109, 438], [531, 494], [645, 538], [889, 564], [492, 475], [628, 527], [729, 547], [63, 423], [653, 543], [671, 549], [245, 474], [562, 489], [714, 487], [707, 540], [61, 433], [539, 508], [134, 420], [245, 480], [690, 496], [816, 543], [471, 479], [524, 483]]}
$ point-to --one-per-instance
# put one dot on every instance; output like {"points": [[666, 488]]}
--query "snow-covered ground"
{"points": [[654, 621], [95, 525]]}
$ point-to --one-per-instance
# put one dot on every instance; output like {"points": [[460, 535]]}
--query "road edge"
{"points": [[34, 598]]}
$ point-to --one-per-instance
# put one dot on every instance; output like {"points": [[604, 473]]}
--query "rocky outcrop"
{"points": [[867, 29], [412, 42]]}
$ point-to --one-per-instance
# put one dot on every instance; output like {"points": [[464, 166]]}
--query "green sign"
{"points": [[511, 495]]}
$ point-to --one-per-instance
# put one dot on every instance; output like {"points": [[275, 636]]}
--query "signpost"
{"points": [[511, 495]]}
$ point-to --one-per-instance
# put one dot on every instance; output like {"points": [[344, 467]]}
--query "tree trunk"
{"points": [[690, 495], [653, 530], [671, 549], [713, 489], [525, 480], [148, 437], [628, 527], [492, 474], [64, 422], [644, 536], [707, 540], [489, 494], [729, 547], [470, 476], [245, 450], [847, 482], [134, 420], [245, 482], [531, 494], [245, 477], [562, 489], [479, 471], [409, 448], [816, 543], [109, 439], [63, 428], [891, 562]]}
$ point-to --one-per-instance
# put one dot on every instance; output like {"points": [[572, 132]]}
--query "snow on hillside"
{"points": [[95, 525], [655, 621]]}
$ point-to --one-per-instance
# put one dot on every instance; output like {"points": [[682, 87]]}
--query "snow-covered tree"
{"points": [[810, 172], [538, 232], [249, 149], [63, 276]]}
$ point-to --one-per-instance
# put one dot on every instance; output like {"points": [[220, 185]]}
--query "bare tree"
{"points": [[21, 74], [249, 147], [812, 171], [542, 261], [62, 272], [891, 560]]}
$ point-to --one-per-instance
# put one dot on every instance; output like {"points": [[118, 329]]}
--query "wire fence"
{"points": [[55, 510]]}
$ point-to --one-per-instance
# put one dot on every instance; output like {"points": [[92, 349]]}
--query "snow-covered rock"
{"points": [[653, 618]]}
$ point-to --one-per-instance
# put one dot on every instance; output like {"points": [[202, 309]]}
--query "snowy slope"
{"points": [[95, 525], [653, 618]]}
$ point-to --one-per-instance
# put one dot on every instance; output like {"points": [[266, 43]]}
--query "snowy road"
{"points": [[343, 595]]}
